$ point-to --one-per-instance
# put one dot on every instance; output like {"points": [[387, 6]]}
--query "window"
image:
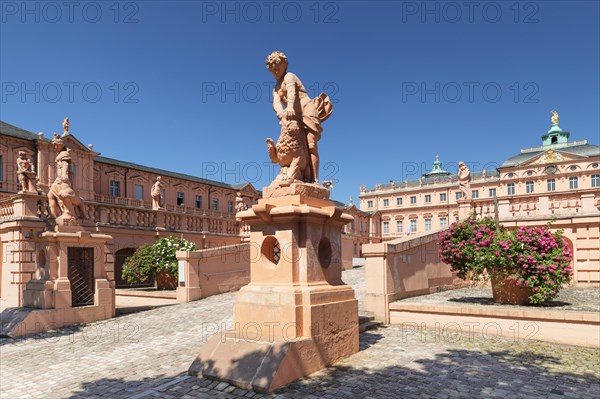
{"points": [[413, 200], [413, 226], [370, 204], [427, 198], [354, 249], [427, 224], [595, 180], [163, 195], [386, 227], [458, 195], [492, 192], [386, 202], [138, 192], [180, 198], [114, 188], [573, 183], [529, 187], [230, 206], [73, 169], [399, 226], [198, 201], [510, 188], [443, 197], [398, 201], [475, 194], [215, 204], [551, 184], [443, 222]]}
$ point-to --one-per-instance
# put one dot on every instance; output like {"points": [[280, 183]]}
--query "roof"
{"points": [[162, 172], [583, 150], [13, 131]]}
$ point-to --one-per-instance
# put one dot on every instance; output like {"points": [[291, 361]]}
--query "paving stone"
{"points": [[147, 354]]}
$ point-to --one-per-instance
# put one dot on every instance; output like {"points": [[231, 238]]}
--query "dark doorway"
{"points": [[120, 258], [81, 275]]}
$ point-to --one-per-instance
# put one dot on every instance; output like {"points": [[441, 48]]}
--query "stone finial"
{"points": [[91, 147], [40, 135]]}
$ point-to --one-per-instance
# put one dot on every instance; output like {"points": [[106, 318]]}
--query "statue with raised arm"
{"points": [[65, 204], [554, 118], [296, 150], [26, 173], [464, 180], [156, 194]]}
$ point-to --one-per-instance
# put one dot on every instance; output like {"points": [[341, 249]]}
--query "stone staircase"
{"points": [[366, 322]]}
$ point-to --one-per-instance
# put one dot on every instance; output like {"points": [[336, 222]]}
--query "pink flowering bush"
{"points": [[531, 257]]}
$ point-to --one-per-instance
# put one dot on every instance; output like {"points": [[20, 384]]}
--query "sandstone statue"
{"points": [[464, 180], [26, 173], [296, 150], [65, 204], [156, 194], [240, 205]]}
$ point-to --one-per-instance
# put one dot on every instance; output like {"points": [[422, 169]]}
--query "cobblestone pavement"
{"points": [[576, 299], [146, 355]]}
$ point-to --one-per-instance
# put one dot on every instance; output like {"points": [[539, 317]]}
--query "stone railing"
{"points": [[34, 207]]}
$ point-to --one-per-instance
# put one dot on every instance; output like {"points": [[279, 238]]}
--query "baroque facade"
{"points": [[116, 201], [556, 182]]}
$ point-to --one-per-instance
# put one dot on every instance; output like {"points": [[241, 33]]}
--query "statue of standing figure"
{"points": [[240, 205], [156, 194], [464, 180], [65, 204], [26, 173], [296, 150]]}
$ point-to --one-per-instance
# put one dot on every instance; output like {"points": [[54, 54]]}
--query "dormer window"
{"points": [[554, 140]]}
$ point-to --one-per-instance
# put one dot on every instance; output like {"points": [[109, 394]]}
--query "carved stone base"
{"points": [[295, 187]]}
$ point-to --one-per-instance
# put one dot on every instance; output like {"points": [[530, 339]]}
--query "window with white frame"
{"points": [[386, 227], [369, 204], [529, 187], [458, 195], [443, 197], [492, 192], [215, 204], [573, 182], [595, 181], [413, 199], [475, 194], [427, 198], [138, 192], [427, 224], [180, 198], [198, 201], [399, 226], [413, 226], [443, 222], [398, 201], [551, 184], [386, 202], [510, 188], [114, 188]]}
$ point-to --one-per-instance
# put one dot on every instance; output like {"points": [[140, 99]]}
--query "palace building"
{"points": [[556, 182]]}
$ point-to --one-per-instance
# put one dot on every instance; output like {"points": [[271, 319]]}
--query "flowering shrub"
{"points": [[531, 257], [150, 259]]}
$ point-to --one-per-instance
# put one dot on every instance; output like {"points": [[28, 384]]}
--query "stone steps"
{"points": [[366, 323]]}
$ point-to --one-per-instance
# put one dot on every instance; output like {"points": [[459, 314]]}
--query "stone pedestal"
{"points": [[296, 316], [465, 207], [48, 297]]}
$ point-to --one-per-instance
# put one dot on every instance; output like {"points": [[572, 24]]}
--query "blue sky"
{"points": [[182, 85]]}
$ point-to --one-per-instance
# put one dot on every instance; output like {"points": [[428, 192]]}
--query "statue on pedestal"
{"points": [[65, 204], [464, 180], [156, 194], [240, 205], [296, 150], [26, 173]]}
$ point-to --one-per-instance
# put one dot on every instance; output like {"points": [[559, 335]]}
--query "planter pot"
{"points": [[165, 281], [508, 292]]}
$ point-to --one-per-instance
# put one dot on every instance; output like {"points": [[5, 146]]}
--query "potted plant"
{"points": [[528, 265], [158, 261]]}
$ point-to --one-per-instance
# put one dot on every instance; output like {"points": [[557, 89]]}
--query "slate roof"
{"points": [[584, 150], [13, 131]]}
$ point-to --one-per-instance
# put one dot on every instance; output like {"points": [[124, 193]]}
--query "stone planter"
{"points": [[508, 292], [165, 281]]}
